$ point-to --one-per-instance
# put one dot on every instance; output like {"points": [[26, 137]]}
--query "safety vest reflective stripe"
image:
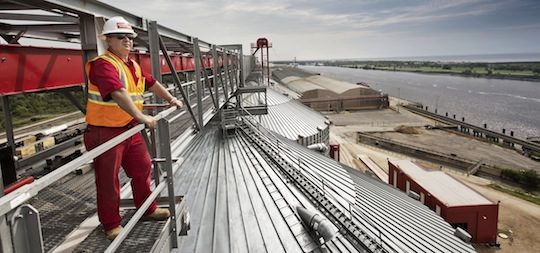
{"points": [[96, 98], [119, 67]]}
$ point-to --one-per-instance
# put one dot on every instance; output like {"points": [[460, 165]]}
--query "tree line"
{"points": [[28, 108]]}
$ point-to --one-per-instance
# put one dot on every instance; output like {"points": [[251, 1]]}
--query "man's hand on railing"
{"points": [[176, 102], [148, 121]]}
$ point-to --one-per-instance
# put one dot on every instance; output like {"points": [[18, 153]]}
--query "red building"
{"points": [[455, 202]]}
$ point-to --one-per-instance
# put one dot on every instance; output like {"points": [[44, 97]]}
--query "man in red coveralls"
{"points": [[116, 84]]}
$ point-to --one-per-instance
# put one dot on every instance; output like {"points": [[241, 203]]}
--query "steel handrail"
{"points": [[23, 194], [139, 213]]}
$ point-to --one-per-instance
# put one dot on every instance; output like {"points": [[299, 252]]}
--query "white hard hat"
{"points": [[116, 25]]}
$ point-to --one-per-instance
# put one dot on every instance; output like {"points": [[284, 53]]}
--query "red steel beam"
{"points": [[31, 69], [25, 69]]}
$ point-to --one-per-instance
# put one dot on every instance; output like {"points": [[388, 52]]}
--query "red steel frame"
{"points": [[25, 69]]}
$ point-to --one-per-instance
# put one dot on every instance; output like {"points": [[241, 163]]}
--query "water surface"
{"points": [[509, 104]]}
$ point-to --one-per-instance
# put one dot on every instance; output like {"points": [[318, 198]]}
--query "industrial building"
{"points": [[458, 204], [326, 94]]}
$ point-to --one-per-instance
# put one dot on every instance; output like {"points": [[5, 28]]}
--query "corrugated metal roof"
{"points": [[301, 85], [404, 225], [290, 118], [331, 84], [241, 201], [442, 186], [305, 83]]}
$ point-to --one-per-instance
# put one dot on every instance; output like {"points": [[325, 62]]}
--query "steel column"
{"points": [[229, 69], [226, 68], [241, 62], [215, 71], [8, 123], [223, 84], [267, 67], [197, 55], [205, 75], [88, 25], [233, 70], [153, 45]]}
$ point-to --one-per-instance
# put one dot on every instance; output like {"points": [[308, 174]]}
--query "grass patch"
{"points": [[406, 129], [525, 196]]}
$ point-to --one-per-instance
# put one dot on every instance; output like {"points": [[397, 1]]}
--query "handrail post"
{"points": [[196, 56], [153, 46], [215, 71], [5, 236], [165, 152], [197, 50], [155, 154], [226, 73]]}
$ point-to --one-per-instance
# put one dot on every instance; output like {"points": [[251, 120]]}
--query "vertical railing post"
{"points": [[215, 71], [197, 56], [205, 75], [226, 74], [152, 144], [5, 235], [229, 70], [8, 124], [153, 45], [242, 70], [165, 152], [232, 69]]}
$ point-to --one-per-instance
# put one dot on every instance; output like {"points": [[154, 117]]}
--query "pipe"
{"points": [[321, 147], [317, 223], [16, 185]]}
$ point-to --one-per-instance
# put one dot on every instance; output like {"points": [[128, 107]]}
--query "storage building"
{"points": [[455, 202]]}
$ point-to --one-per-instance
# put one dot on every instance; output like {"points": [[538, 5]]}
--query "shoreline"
{"points": [[473, 75]]}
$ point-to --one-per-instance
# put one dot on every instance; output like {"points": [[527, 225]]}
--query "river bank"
{"points": [[529, 78]]}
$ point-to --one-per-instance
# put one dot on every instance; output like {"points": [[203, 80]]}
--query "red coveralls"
{"points": [[131, 154]]}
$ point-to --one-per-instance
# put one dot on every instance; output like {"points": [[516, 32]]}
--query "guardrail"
{"points": [[16, 198], [509, 139]]}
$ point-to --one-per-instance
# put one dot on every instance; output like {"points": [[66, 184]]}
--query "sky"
{"points": [[345, 29]]}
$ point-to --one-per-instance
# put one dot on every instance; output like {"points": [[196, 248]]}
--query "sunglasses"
{"points": [[121, 36]]}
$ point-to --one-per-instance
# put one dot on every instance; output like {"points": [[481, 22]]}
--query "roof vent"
{"points": [[322, 226]]}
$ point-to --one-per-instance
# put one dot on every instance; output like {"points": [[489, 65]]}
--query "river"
{"points": [[501, 104]]}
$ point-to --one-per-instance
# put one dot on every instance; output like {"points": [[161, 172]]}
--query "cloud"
{"points": [[329, 28]]}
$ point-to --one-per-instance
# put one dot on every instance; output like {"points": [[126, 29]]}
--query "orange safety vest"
{"points": [[108, 113]]}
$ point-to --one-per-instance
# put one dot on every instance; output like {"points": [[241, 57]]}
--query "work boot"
{"points": [[158, 214], [113, 233]]}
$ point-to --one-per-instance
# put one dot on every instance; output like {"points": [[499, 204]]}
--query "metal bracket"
{"points": [[184, 223], [26, 229], [162, 160]]}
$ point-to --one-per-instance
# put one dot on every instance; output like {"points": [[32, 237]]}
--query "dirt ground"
{"points": [[518, 219]]}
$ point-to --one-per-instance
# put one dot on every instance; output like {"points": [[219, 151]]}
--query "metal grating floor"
{"points": [[141, 239], [65, 205]]}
